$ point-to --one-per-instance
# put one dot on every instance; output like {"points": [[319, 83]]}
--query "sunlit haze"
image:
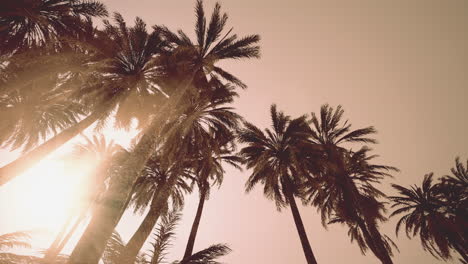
{"points": [[400, 66]]}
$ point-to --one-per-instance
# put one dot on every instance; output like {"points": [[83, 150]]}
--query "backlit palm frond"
{"points": [[163, 236], [30, 24], [30, 117], [208, 255], [15, 239]]}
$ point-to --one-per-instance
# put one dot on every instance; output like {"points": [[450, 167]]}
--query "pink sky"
{"points": [[400, 66]]}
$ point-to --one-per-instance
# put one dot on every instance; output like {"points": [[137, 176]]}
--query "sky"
{"points": [[397, 65]]}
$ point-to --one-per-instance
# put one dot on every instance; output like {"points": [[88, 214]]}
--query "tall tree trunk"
{"points": [[92, 243], [53, 248], [26, 161], [195, 225], [69, 234], [157, 208], [309, 255]]}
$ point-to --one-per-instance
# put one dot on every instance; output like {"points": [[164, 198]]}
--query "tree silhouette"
{"points": [[29, 24], [100, 228], [337, 191], [274, 157], [426, 213], [124, 78]]}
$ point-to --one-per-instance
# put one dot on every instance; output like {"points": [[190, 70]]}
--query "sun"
{"points": [[45, 195]]}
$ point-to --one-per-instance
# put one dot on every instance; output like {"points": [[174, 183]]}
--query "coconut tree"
{"points": [[208, 167], [122, 76], [114, 248], [453, 191], [216, 48], [326, 192], [162, 242], [329, 132], [15, 240], [158, 183], [206, 120], [425, 214], [275, 158], [102, 153], [27, 24], [31, 115], [163, 236]]}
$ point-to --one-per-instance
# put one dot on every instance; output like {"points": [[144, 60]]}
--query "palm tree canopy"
{"points": [[423, 213], [153, 178], [125, 72], [30, 116], [275, 155], [211, 45], [28, 24], [328, 128]]}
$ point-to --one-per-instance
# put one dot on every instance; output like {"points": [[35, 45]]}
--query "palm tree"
{"points": [[212, 50], [275, 157], [113, 250], [425, 213], [206, 120], [163, 235], [16, 240], [328, 132], [103, 153], [207, 255], [326, 192], [208, 167], [453, 191], [158, 183], [123, 76], [162, 241], [31, 115], [27, 24]]}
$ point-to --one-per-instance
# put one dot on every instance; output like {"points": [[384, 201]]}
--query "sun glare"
{"points": [[45, 195]]}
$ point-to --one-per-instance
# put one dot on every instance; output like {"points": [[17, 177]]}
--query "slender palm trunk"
{"points": [[195, 225], [70, 233], [129, 198], [309, 255], [157, 208], [26, 161], [53, 248], [92, 243]]}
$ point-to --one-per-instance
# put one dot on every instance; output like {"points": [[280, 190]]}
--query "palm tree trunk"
{"points": [[129, 198], [309, 255], [195, 225], [92, 243], [53, 248], [157, 208], [70, 233], [26, 161]]}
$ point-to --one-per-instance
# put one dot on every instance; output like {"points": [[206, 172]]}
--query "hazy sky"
{"points": [[400, 66]]}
